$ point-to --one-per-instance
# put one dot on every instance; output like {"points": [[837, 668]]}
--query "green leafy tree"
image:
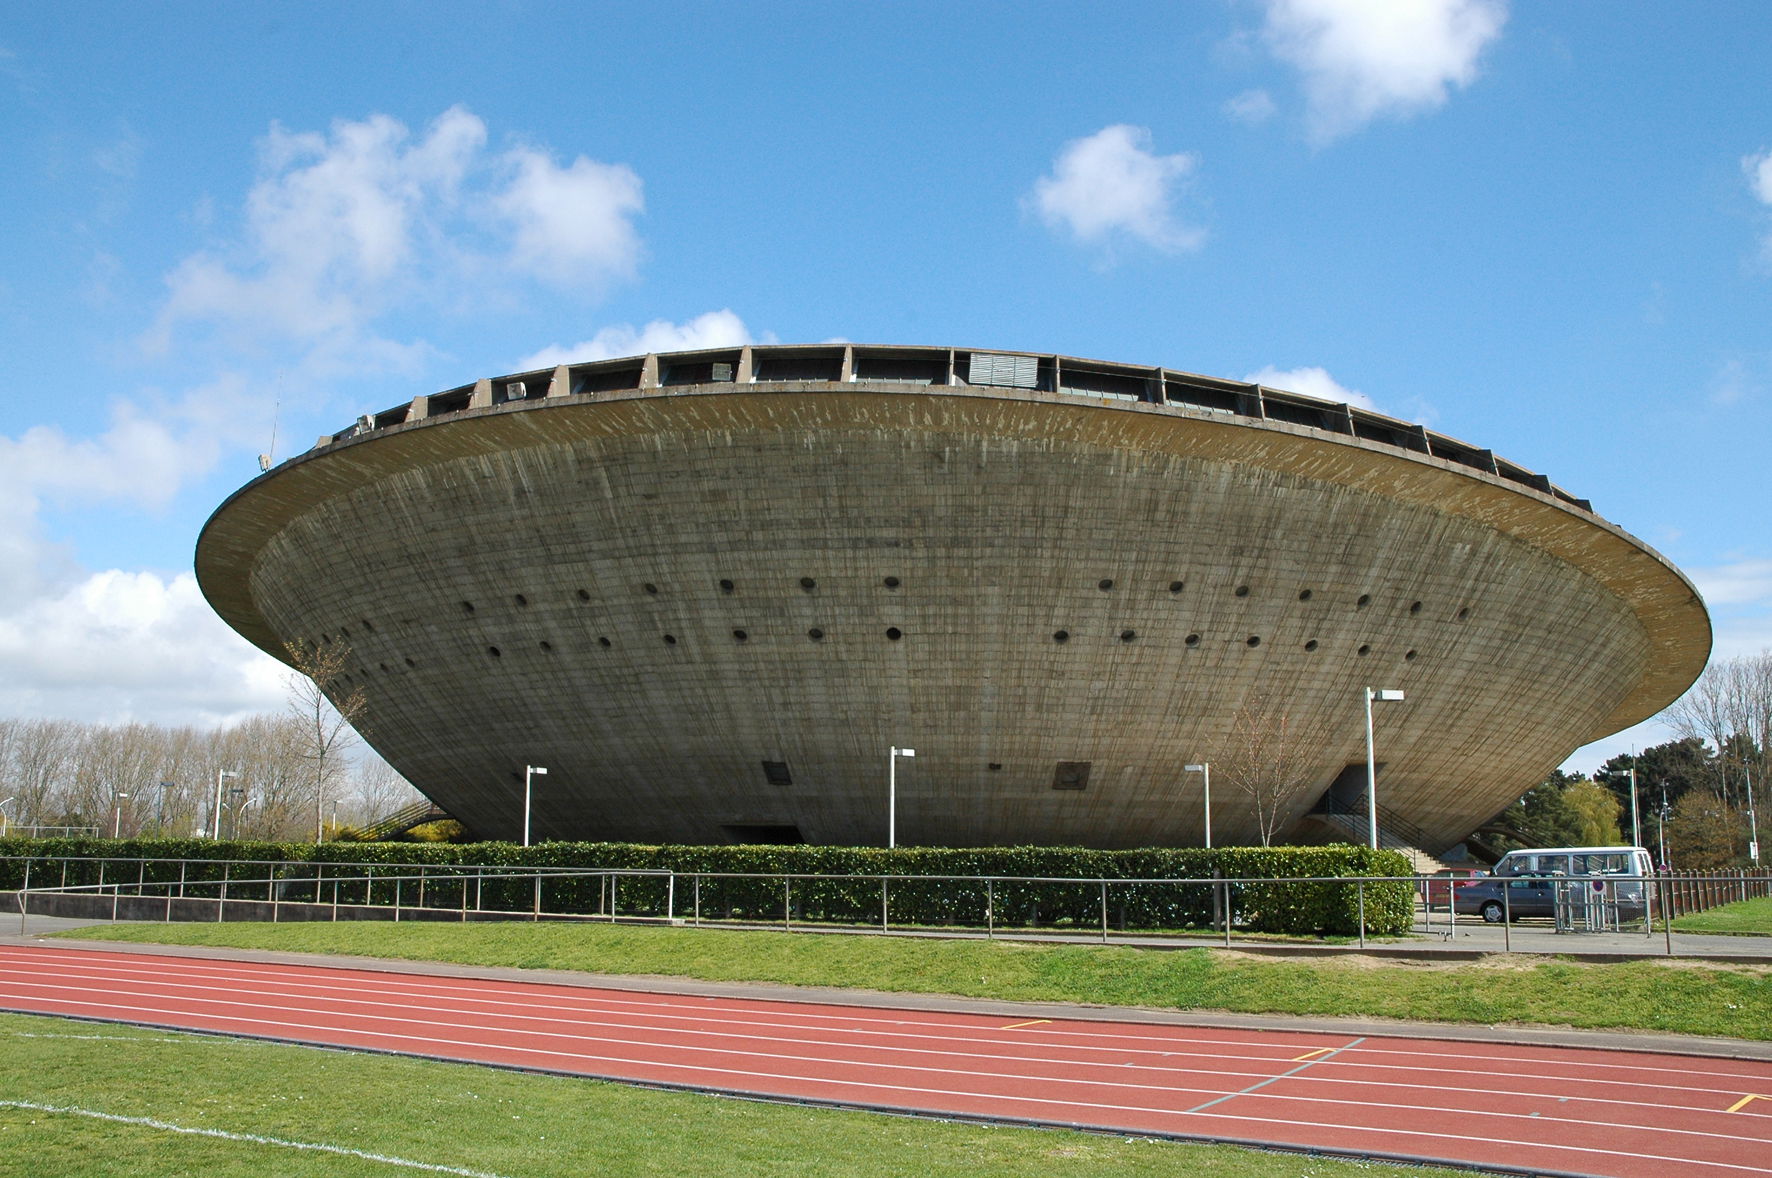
{"points": [[1703, 833], [1596, 813], [1680, 766], [1542, 817]]}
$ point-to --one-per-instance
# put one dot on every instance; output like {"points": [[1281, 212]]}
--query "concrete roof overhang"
{"points": [[1662, 599]]}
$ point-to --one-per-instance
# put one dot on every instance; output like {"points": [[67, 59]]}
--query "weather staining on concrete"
{"points": [[710, 590]]}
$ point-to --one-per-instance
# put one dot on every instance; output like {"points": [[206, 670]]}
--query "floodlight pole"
{"points": [[1636, 828], [529, 772], [1204, 769], [892, 792], [117, 827], [1383, 695], [215, 815]]}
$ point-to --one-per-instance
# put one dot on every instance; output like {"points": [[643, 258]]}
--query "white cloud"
{"points": [[1758, 168], [573, 224], [713, 329], [131, 646], [1759, 175], [149, 452], [1741, 582], [1363, 59], [1312, 382], [1252, 107], [117, 644], [342, 226], [1111, 185]]}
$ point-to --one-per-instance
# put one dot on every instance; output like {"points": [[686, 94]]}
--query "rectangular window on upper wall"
{"points": [[1071, 775]]}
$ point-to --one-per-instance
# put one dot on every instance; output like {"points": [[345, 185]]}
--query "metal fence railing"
{"points": [[1342, 909]]}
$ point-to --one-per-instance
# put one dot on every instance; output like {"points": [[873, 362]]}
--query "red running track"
{"points": [[1505, 1106]]}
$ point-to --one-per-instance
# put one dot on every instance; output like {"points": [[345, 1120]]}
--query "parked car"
{"points": [[1532, 882], [1439, 887]]}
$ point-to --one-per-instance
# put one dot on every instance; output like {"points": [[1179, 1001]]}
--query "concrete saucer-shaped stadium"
{"points": [[709, 591]]}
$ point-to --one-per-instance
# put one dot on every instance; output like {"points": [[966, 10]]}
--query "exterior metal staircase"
{"points": [[401, 821], [1395, 833]]}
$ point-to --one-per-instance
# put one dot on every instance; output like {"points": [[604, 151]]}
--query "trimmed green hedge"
{"points": [[1290, 908]]}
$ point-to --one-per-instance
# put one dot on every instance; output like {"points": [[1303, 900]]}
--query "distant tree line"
{"points": [[150, 779], [1698, 797]]}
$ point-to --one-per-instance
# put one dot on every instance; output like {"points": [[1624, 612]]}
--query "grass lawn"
{"points": [[486, 1122], [1652, 995], [1747, 918]]}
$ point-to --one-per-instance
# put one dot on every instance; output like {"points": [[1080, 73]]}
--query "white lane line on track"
{"points": [[1253, 1089], [253, 1138], [1608, 1151], [704, 1009], [1584, 1059], [428, 1039], [745, 1035], [749, 1030]]}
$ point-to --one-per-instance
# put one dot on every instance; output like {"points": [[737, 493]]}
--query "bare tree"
{"points": [[43, 755], [328, 711], [1269, 762], [1730, 709], [380, 791]]}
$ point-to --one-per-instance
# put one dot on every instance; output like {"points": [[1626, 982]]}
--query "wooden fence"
{"points": [[1696, 891]]}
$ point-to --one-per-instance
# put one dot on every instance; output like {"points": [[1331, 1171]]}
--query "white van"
{"points": [[1537, 883], [1577, 861]]}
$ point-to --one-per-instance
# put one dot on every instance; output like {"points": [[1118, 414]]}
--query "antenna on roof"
{"points": [[267, 460]]}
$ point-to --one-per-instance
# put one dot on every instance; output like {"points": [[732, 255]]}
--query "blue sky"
{"points": [[1545, 229]]}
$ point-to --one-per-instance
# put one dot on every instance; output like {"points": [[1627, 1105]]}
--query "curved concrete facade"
{"points": [[710, 591]]}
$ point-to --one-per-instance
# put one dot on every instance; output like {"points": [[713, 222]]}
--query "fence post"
{"points": [[1104, 911], [182, 865], [671, 897], [1362, 883], [335, 900], [787, 902], [1667, 917], [273, 888], [464, 899], [24, 893], [990, 910], [1226, 885], [397, 882], [535, 901], [885, 924]]}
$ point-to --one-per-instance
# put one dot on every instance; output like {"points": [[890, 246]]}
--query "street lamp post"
{"points": [[1636, 826], [1204, 769], [239, 809], [160, 807], [1383, 696], [215, 815], [1753, 822], [892, 792], [529, 773], [117, 826], [1661, 827]]}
